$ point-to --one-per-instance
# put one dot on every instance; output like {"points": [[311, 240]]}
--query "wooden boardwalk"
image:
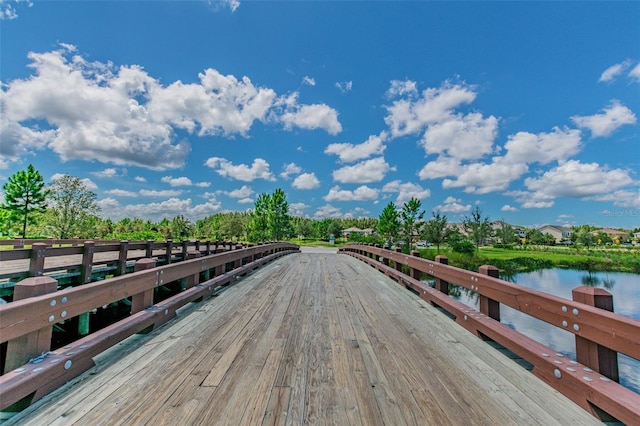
{"points": [[310, 339]]}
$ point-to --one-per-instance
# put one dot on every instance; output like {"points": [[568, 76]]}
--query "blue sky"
{"points": [[527, 110]]}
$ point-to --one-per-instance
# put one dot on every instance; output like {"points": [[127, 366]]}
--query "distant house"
{"points": [[560, 233], [347, 233], [612, 233]]}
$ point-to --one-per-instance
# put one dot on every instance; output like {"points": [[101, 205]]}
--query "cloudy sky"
{"points": [[528, 110]]}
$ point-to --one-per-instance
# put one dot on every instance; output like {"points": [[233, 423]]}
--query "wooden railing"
{"points": [[591, 381], [32, 368], [96, 259]]}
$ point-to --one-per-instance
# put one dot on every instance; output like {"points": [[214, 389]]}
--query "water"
{"points": [[559, 282]]}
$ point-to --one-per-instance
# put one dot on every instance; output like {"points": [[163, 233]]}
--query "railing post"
{"points": [[442, 285], [23, 348], [36, 264], [169, 252], [122, 258], [191, 280], [149, 251], [87, 261], [398, 264], [185, 249], [142, 301], [416, 273], [597, 357], [489, 307]]}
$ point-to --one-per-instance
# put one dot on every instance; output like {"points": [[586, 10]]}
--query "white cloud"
{"points": [[344, 86], [465, 137], [8, 8], [409, 116], [613, 117], [317, 116], [290, 169], [258, 170], [367, 171], [634, 74], [164, 193], [525, 147], [140, 179], [508, 208], [406, 191], [480, 178], [297, 209], [306, 181], [362, 193], [242, 192], [309, 81], [441, 167], [574, 179], [622, 198], [111, 208], [106, 173], [245, 201], [531, 200], [452, 205], [121, 193], [121, 115], [327, 211], [348, 152], [183, 181], [401, 88], [614, 71]]}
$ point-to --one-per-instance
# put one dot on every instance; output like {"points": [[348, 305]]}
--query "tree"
{"points": [[71, 205], [436, 230], [278, 214], [180, 228], [411, 216], [478, 228], [24, 194], [389, 222], [259, 226], [304, 228], [506, 234]]}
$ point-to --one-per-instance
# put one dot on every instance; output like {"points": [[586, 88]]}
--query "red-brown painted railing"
{"points": [[590, 381], [26, 324], [122, 252]]}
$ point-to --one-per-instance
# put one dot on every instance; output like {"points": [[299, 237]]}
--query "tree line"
{"points": [[65, 208]]}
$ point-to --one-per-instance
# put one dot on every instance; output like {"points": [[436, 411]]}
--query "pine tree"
{"points": [[389, 223], [24, 194]]}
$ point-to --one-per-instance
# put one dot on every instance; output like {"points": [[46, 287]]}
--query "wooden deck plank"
{"points": [[311, 338]]}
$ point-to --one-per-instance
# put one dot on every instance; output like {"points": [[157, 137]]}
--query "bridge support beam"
{"points": [[597, 357]]}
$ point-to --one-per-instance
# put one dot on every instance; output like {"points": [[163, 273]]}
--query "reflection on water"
{"points": [[625, 289]]}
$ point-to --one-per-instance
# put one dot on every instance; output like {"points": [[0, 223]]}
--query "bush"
{"points": [[463, 246]]}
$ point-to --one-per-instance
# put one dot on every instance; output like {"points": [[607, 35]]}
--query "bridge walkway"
{"points": [[312, 338]]}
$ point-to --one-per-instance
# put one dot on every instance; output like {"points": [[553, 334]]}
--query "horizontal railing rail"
{"points": [[94, 259], [600, 335], [32, 369]]}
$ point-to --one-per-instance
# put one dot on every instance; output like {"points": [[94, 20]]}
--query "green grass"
{"points": [[511, 261]]}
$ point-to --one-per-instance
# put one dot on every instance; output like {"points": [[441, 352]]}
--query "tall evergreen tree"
{"points": [[389, 222], [278, 215], [25, 194]]}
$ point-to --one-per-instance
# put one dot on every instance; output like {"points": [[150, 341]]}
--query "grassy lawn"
{"points": [[529, 259]]}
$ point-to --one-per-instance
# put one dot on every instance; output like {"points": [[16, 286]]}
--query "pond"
{"points": [[624, 287]]}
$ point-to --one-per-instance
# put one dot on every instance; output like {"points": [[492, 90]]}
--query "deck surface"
{"points": [[313, 338]]}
